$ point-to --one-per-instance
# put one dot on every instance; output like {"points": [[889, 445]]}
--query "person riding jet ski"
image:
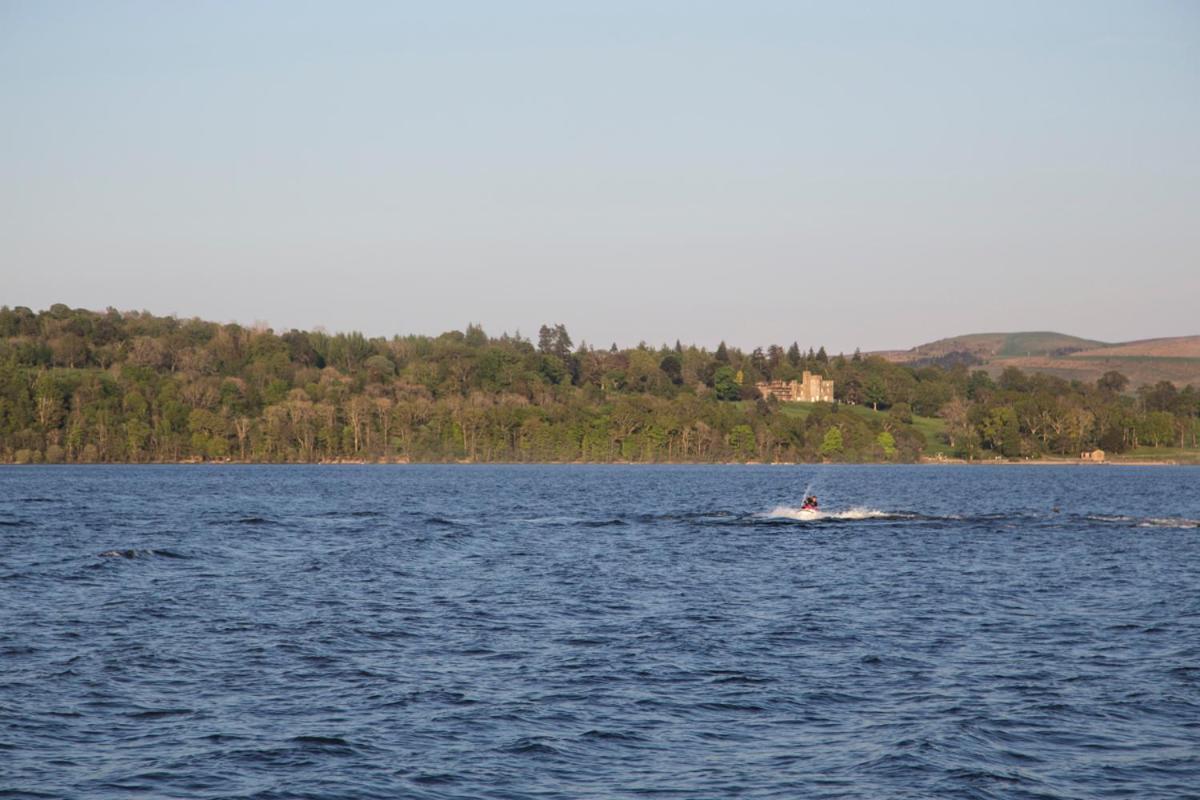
{"points": [[810, 503]]}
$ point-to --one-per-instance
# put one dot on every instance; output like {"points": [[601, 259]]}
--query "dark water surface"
{"points": [[574, 631]]}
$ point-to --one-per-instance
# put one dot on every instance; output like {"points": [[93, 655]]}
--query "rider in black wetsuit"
{"points": [[810, 503]]}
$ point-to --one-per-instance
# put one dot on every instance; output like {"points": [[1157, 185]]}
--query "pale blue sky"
{"points": [[866, 175]]}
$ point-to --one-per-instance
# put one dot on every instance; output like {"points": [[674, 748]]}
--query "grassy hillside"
{"points": [[1043, 342], [1187, 347], [931, 428], [991, 345], [1141, 370], [1148, 361]]}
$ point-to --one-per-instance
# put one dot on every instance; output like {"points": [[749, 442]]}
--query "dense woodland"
{"points": [[82, 386]]}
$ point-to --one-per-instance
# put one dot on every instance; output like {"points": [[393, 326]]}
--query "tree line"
{"points": [[79, 386]]}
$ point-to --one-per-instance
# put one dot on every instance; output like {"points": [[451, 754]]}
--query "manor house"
{"points": [[809, 389]]}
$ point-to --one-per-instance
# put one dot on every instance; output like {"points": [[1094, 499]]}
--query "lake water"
{"points": [[580, 631]]}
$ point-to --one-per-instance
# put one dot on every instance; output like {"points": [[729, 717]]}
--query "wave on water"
{"points": [[445, 522], [343, 514], [807, 515], [322, 742], [131, 553], [1169, 522], [604, 522], [1146, 522], [255, 521], [693, 516]]}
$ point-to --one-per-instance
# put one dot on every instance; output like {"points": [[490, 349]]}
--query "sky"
{"points": [[853, 175]]}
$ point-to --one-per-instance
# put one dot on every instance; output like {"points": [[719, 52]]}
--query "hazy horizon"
{"points": [[860, 176]]}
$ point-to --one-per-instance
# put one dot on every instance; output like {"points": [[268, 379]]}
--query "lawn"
{"points": [[931, 428], [1181, 455]]}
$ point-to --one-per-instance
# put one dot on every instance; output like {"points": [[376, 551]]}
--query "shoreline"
{"points": [[924, 461]]}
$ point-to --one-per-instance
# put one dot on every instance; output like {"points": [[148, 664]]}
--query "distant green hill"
{"points": [[993, 345], [1044, 343], [1074, 358]]}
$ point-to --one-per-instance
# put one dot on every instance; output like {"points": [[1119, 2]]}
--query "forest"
{"points": [[79, 386]]}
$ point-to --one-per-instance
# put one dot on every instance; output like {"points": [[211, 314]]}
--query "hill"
{"points": [[995, 345], [1175, 347], [1146, 361]]}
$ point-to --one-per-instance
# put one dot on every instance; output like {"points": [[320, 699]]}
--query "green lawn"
{"points": [[1183, 455], [931, 427]]}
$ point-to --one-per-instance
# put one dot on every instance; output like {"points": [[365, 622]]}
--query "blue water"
{"points": [[575, 631]]}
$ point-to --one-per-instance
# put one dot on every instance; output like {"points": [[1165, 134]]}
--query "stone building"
{"points": [[1093, 455], [809, 389]]}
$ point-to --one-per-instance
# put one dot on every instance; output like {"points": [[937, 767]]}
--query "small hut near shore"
{"points": [[1093, 455]]}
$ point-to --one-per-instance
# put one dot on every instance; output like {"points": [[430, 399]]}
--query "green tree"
{"points": [[875, 392], [832, 444], [1157, 428], [1112, 381], [475, 336], [672, 366], [1000, 431], [742, 440], [726, 385], [379, 369]]}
